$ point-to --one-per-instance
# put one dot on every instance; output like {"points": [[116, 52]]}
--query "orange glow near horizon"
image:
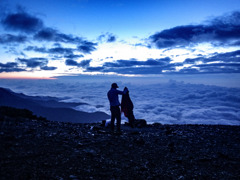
{"points": [[30, 78], [23, 76]]}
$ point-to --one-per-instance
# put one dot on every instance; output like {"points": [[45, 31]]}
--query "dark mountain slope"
{"points": [[49, 108]]}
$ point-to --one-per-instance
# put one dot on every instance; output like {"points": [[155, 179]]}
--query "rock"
{"points": [[156, 124], [222, 155], [90, 152], [171, 146], [139, 141], [73, 177], [168, 131], [102, 131], [79, 145], [140, 123], [135, 132]]}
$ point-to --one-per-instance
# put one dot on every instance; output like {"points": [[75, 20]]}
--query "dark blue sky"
{"points": [[150, 38]]}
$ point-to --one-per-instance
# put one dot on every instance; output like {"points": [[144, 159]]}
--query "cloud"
{"points": [[136, 70], [65, 52], [70, 62], [23, 22], [94, 69], [86, 108], [83, 63], [111, 38], [60, 50], [219, 68], [228, 57], [222, 29], [225, 57], [36, 49], [49, 34], [73, 56], [188, 70], [134, 62], [26, 23], [10, 67], [47, 68], [236, 43], [87, 47], [218, 63], [33, 62], [35, 29], [108, 37], [167, 103], [133, 66], [211, 68], [140, 70], [9, 38], [180, 103]]}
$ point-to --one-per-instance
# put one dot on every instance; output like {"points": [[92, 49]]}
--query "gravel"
{"points": [[41, 149]]}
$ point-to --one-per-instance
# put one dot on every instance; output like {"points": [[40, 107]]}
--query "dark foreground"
{"points": [[38, 149]]}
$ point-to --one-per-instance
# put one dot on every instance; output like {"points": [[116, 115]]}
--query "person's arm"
{"points": [[120, 92], [123, 92]]}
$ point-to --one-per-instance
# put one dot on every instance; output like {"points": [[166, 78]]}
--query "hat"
{"points": [[114, 85]]}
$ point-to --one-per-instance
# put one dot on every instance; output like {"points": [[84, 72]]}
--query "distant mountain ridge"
{"points": [[49, 107]]}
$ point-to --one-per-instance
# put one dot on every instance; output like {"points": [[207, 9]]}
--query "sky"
{"points": [[149, 40]]}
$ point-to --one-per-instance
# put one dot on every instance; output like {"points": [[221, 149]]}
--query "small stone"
{"points": [[140, 141], [79, 145], [73, 177]]}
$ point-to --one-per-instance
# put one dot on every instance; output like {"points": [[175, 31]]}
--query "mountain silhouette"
{"points": [[49, 107]]}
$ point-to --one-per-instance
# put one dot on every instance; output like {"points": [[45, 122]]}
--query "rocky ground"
{"points": [[39, 149]]}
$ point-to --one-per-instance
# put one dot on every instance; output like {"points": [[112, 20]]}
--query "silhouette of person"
{"points": [[127, 108], [114, 106]]}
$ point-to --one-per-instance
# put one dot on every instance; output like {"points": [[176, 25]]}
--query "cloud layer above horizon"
{"points": [[209, 47]]}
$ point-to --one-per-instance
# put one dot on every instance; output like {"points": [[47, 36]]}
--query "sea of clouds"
{"points": [[166, 103]]}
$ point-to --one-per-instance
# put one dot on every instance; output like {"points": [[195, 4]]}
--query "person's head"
{"points": [[126, 89], [114, 85]]}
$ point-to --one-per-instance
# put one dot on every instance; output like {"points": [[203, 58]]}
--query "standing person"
{"points": [[127, 108], [114, 106]]}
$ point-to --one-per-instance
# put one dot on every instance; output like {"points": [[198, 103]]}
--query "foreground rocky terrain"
{"points": [[34, 148]]}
